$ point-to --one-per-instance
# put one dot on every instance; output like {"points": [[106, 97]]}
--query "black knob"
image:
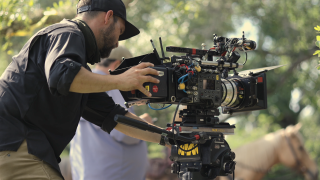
{"points": [[232, 155], [229, 166], [210, 173]]}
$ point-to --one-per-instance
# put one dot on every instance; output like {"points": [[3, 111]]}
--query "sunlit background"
{"points": [[282, 29]]}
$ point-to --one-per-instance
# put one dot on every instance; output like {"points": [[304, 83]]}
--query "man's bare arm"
{"points": [[88, 82], [137, 133]]}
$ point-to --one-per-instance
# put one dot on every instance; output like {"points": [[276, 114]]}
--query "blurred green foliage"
{"points": [[317, 52], [283, 31]]}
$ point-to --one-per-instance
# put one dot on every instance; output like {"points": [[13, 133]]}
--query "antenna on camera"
{"points": [[154, 47], [163, 56], [155, 52]]}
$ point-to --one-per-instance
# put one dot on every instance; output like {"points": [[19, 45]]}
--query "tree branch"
{"points": [[63, 13], [300, 58], [20, 25]]}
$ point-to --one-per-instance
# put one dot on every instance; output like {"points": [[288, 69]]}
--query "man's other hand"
{"points": [[147, 118]]}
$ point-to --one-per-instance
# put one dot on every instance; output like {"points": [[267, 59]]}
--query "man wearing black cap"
{"points": [[48, 86]]}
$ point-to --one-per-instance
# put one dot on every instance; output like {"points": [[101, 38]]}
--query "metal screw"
{"points": [[203, 46]]}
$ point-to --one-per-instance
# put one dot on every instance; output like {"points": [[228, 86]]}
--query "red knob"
{"points": [[197, 136]]}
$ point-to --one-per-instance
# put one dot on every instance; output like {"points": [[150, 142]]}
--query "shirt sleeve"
{"points": [[101, 109], [65, 56]]}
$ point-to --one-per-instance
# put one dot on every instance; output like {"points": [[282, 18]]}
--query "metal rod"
{"points": [[163, 56], [152, 44], [226, 64]]}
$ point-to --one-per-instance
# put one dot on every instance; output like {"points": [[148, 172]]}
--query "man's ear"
{"points": [[108, 17]]}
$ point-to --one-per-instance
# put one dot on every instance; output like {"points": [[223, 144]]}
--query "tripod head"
{"points": [[199, 150]]}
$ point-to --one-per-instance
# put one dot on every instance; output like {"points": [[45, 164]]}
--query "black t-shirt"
{"points": [[35, 102]]}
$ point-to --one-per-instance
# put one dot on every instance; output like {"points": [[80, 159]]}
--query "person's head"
{"points": [[107, 20], [114, 60]]}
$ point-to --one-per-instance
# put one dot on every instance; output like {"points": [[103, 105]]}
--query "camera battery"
{"points": [[158, 90]]}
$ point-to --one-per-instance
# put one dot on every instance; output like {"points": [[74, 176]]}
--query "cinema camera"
{"points": [[199, 150]]}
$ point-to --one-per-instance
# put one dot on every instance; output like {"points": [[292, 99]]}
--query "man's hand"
{"points": [[146, 117], [134, 78]]}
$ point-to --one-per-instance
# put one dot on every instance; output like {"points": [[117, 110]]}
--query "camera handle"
{"points": [[147, 127]]}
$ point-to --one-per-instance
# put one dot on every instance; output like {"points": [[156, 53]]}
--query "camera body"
{"points": [[236, 93], [199, 150]]}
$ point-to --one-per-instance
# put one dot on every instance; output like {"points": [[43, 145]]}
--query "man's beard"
{"points": [[108, 41]]}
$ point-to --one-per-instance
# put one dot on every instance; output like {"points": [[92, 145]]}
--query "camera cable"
{"points": [[246, 55], [160, 108]]}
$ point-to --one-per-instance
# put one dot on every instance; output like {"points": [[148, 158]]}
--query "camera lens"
{"points": [[232, 92]]}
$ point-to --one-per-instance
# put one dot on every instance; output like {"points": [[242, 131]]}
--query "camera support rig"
{"points": [[209, 155], [199, 150]]}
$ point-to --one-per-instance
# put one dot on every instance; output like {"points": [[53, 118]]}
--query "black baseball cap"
{"points": [[118, 9]]}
